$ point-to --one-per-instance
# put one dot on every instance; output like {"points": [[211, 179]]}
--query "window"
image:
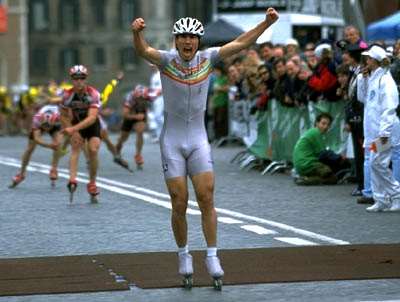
{"points": [[39, 15], [128, 12], [99, 56], [68, 57], [128, 59], [39, 61], [69, 15], [99, 12]]}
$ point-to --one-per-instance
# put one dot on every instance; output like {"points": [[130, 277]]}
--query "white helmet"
{"points": [[50, 118], [188, 26]]}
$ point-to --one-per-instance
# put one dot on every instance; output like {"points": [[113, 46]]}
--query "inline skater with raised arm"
{"points": [[79, 112], [46, 120], [185, 151]]}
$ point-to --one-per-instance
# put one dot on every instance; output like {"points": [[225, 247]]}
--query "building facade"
{"points": [[97, 33], [14, 44]]}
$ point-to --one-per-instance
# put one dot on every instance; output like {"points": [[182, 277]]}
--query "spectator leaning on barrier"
{"points": [[311, 157], [324, 80], [266, 85], [377, 90], [219, 100], [292, 84], [266, 53], [280, 76], [304, 93]]}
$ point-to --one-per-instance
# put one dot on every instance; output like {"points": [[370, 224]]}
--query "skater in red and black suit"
{"points": [[46, 120], [79, 115]]}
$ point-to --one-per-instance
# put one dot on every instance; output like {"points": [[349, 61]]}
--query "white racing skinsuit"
{"points": [[183, 141], [379, 94], [156, 115]]}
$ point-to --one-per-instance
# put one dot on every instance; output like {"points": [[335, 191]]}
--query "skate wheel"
{"points": [[187, 282], [217, 284]]}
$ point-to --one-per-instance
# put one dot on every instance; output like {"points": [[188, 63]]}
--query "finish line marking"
{"points": [[118, 187]]}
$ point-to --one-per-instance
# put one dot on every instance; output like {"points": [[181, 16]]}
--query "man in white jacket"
{"points": [[377, 90]]}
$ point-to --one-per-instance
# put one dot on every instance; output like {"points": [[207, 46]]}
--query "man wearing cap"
{"points": [[377, 90], [324, 80]]}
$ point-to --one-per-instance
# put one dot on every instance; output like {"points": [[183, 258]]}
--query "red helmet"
{"points": [[141, 91], [78, 71], [50, 118]]}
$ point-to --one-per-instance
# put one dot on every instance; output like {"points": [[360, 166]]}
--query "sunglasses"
{"points": [[78, 78]]}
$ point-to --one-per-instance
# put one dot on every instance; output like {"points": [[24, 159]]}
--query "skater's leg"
{"points": [[139, 129], [26, 157], [178, 191], [55, 157], [93, 150], [56, 153], [121, 140], [106, 139], [76, 145], [203, 185]]}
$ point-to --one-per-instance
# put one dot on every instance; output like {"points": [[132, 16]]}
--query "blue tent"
{"points": [[387, 29]]}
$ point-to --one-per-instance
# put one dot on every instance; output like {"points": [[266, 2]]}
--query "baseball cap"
{"points": [[320, 49], [375, 52]]}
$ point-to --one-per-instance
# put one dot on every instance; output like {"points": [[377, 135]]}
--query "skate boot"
{"points": [[72, 184], [214, 268], [139, 161], [186, 269], [16, 180], [123, 163], [53, 175], [93, 191]]}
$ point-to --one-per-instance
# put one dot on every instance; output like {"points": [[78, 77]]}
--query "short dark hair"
{"points": [[279, 60], [323, 115], [343, 69], [266, 44]]}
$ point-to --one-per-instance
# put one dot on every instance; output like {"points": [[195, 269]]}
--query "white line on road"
{"points": [[166, 204], [295, 241], [229, 220], [257, 229]]}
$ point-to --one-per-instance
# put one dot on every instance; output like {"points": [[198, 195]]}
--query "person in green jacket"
{"points": [[307, 151]]}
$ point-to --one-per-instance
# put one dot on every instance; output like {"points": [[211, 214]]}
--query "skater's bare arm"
{"points": [[248, 38], [37, 137], [88, 121], [142, 47]]}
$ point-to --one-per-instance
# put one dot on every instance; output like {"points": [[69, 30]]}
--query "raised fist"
{"points": [[271, 15], [138, 25]]}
